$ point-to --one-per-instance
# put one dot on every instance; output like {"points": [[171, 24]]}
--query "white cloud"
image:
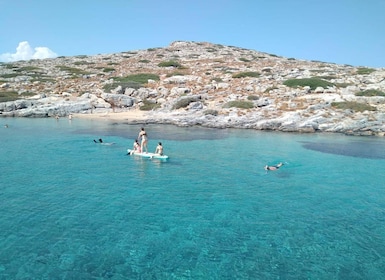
{"points": [[25, 52]]}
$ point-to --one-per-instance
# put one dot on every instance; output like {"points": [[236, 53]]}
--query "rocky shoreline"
{"points": [[203, 84]]}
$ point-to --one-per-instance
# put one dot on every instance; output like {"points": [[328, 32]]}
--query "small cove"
{"points": [[73, 209]]}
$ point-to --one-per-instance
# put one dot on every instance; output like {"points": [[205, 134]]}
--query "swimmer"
{"points": [[273, 167]]}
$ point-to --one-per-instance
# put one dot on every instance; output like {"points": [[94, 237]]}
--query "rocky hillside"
{"points": [[190, 83]]}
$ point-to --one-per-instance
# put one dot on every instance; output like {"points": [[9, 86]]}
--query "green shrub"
{"points": [[175, 74], [184, 102], [351, 105], [239, 104], [252, 97], [148, 106], [211, 50], [28, 69], [170, 63], [370, 92], [246, 74], [72, 70], [124, 85], [364, 71], [6, 96], [244, 59], [210, 112], [144, 61], [131, 81], [217, 79], [108, 69], [82, 62], [313, 83], [270, 88], [9, 75], [137, 78], [42, 79], [134, 81], [343, 85]]}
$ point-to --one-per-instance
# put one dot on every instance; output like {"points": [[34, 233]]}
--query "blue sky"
{"points": [[340, 31]]}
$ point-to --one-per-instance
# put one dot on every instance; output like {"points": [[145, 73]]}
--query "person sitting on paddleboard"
{"points": [[159, 149], [273, 167], [137, 146]]}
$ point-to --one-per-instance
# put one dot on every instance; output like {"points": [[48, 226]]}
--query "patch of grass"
{"points": [[148, 106], [211, 50], [313, 83], [244, 59], [370, 92], [134, 81], [218, 79], [141, 78], [83, 62], [9, 75], [239, 104], [210, 112], [6, 96], [327, 77], [170, 63], [351, 105], [246, 74], [28, 69], [175, 74], [253, 97], [42, 79], [343, 85], [184, 102], [364, 71], [10, 66], [144, 61], [72, 70], [108, 69]]}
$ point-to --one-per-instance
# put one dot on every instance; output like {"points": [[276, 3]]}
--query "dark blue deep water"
{"points": [[73, 209]]}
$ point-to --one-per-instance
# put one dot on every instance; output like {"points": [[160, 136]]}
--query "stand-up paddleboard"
{"points": [[146, 155]]}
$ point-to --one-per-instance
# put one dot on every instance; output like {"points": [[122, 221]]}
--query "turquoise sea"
{"points": [[73, 209]]}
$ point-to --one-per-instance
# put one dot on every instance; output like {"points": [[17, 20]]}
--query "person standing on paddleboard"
{"points": [[143, 143]]}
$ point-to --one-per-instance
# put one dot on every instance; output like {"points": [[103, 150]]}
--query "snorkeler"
{"points": [[273, 167]]}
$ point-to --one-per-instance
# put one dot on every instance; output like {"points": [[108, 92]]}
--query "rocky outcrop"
{"points": [[202, 84]]}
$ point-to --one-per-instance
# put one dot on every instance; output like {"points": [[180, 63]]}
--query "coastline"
{"points": [[132, 115]]}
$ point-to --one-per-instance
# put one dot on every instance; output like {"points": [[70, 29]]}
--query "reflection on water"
{"points": [[355, 148]]}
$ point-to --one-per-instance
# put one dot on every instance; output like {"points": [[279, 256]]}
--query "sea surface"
{"points": [[74, 209]]}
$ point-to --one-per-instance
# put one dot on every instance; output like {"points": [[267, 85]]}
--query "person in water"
{"points": [[159, 149], [99, 141], [273, 167], [143, 143]]}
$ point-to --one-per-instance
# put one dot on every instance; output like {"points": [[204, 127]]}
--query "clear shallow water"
{"points": [[73, 209]]}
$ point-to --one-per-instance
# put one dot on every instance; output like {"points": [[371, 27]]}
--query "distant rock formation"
{"points": [[191, 83]]}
